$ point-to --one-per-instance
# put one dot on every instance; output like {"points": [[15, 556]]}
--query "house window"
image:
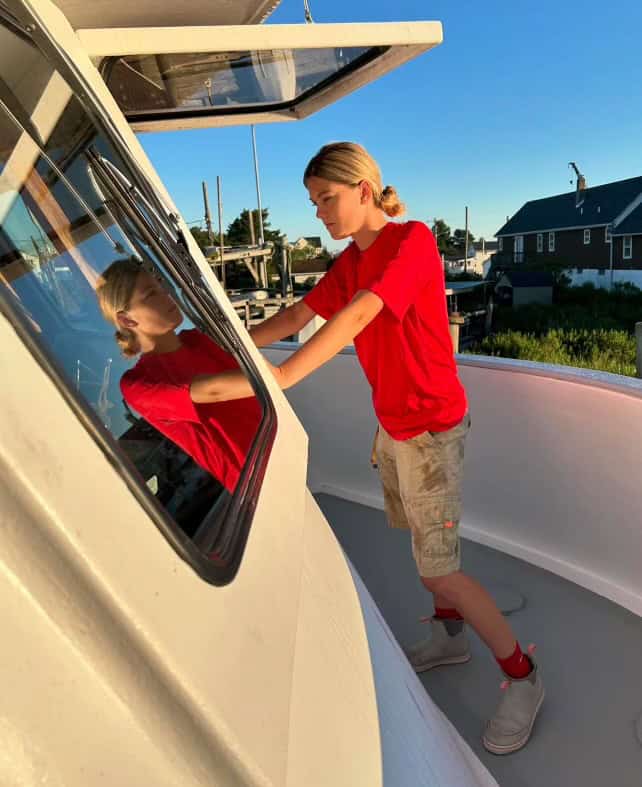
{"points": [[587, 237], [500, 244], [540, 241], [518, 252], [551, 241], [607, 233], [627, 247]]}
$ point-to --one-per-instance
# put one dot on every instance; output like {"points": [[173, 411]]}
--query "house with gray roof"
{"points": [[597, 228], [311, 244]]}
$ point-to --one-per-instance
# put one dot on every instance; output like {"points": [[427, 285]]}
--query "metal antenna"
{"points": [[307, 13]]}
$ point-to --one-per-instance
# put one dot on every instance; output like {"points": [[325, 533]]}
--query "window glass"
{"points": [[628, 247], [63, 236], [206, 81]]}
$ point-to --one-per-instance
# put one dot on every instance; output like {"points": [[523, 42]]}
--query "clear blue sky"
{"points": [[489, 119]]}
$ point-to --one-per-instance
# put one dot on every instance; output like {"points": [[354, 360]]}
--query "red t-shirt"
{"points": [[406, 351], [217, 435]]}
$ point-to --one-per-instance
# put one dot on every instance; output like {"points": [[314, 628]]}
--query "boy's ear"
{"points": [[365, 191], [125, 321]]}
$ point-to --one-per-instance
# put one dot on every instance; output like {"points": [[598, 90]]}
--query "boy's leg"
{"points": [[428, 493], [448, 644], [474, 603], [430, 470]]}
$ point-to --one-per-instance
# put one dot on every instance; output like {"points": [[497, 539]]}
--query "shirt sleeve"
{"points": [[214, 351], [159, 400], [415, 265], [331, 293]]}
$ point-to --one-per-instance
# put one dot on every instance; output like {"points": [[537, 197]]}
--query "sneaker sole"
{"points": [[493, 748], [442, 663]]}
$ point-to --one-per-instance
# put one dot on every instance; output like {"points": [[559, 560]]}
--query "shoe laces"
{"points": [[506, 683]]}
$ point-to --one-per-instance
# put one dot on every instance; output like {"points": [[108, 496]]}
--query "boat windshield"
{"points": [[71, 221]]}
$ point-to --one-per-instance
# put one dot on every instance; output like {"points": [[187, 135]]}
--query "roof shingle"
{"points": [[601, 205], [529, 278], [632, 224]]}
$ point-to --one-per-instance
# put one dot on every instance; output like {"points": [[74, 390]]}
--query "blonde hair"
{"points": [[114, 290], [350, 164]]}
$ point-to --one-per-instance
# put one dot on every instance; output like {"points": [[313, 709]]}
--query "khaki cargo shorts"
{"points": [[422, 480]]}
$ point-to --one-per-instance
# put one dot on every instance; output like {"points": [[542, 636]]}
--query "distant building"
{"points": [[311, 245], [517, 288], [479, 254], [593, 230], [303, 270]]}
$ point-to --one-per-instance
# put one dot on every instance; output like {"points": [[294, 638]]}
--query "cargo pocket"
{"points": [[435, 535]]}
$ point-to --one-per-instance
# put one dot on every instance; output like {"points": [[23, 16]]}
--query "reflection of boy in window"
{"points": [[171, 386]]}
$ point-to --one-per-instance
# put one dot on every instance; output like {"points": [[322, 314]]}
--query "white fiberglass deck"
{"points": [[552, 518], [589, 650]]}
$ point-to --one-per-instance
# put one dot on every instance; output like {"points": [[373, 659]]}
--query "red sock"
{"points": [[447, 614], [516, 666]]}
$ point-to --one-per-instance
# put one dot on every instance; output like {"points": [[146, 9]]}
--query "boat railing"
{"points": [[553, 461]]}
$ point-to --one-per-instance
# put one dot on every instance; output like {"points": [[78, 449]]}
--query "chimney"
{"points": [[580, 185], [580, 188]]}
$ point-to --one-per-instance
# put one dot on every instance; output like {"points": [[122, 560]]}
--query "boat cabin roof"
{"points": [[151, 13]]}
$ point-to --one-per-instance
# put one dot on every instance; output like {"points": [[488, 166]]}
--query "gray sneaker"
{"points": [[447, 645], [510, 727]]}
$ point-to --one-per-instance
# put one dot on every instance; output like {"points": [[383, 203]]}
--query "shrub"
{"points": [[604, 350]]}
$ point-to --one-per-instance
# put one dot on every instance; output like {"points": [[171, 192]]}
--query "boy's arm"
{"points": [[221, 387], [284, 323], [328, 340], [323, 345]]}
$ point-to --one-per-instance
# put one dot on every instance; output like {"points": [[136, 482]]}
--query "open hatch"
{"points": [[170, 78]]}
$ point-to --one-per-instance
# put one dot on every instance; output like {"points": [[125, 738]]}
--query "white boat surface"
{"points": [[259, 646]]}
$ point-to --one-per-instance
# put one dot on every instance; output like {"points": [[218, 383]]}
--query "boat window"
{"points": [[158, 85], [71, 223]]}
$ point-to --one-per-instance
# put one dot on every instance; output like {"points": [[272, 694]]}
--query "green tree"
{"points": [[202, 238], [442, 234], [238, 232], [458, 238]]}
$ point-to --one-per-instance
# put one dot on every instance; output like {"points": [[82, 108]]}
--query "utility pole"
{"points": [[466, 243], [258, 188], [261, 263], [252, 234], [208, 218], [220, 227]]}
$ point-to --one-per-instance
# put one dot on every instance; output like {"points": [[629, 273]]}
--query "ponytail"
{"points": [[114, 290], [390, 203], [128, 343]]}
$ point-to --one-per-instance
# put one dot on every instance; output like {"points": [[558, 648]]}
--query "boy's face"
{"points": [[151, 310], [343, 209]]}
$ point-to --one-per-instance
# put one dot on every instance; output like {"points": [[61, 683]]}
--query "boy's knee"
{"points": [[445, 586]]}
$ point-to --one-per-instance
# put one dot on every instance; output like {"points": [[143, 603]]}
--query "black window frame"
{"points": [[187, 275]]}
